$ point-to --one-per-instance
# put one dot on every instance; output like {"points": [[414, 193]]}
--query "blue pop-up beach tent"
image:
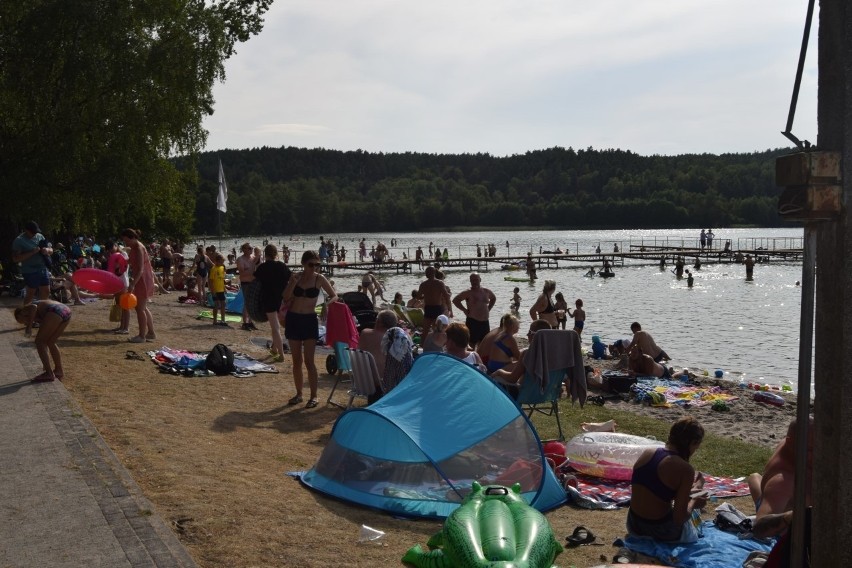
{"points": [[418, 450]]}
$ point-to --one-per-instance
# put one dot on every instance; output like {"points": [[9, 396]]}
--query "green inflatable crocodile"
{"points": [[493, 528]]}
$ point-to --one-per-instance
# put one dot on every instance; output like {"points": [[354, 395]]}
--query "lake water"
{"points": [[748, 329]]}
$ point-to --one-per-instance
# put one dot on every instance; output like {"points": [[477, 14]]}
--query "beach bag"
{"points": [[731, 519], [115, 312], [617, 381], [220, 361]]}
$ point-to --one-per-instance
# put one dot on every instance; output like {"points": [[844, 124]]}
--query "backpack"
{"points": [[220, 361]]}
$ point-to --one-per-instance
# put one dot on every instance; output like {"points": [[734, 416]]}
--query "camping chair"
{"points": [[555, 354], [365, 375], [338, 364]]}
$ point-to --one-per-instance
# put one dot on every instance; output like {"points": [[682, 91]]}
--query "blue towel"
{"points": [[716, 549]]}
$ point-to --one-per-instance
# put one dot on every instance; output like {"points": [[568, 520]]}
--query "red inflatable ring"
{"points": [[97, 281]]}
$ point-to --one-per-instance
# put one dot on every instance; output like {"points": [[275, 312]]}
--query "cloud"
{"points": [[506, 76]]}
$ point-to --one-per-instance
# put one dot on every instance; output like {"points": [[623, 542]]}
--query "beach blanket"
{"points": [[618, 492], [208, 314], [715, 549], [678, 393], [192, 363]]}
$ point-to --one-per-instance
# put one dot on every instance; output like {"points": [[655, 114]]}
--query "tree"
{"points": [[95, 95]]}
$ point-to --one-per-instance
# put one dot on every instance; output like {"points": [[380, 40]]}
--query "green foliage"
{"points": [[97, 94], [295, 190]]}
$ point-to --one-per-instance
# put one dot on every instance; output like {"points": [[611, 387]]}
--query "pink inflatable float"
{"points": [[608, 455], [97, 281]]}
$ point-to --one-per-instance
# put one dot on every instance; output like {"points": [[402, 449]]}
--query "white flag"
{"points": [[222, 200]]}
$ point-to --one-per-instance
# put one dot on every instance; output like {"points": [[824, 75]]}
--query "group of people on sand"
{"points": [[667, 492], [41, 265]]}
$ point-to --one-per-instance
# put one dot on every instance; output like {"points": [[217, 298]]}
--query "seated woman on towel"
{"points": [[663, 485]]}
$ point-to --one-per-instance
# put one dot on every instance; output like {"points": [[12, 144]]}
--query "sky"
{"points": [[509, 76]]}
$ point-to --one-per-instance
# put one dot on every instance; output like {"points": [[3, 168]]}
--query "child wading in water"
{"points": [[561, 306], [53, 318], [579, 316], [516, 299]]}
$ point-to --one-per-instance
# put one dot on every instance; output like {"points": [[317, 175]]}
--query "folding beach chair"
{"points": [[365, 375], [554, 355], [339, 365]]}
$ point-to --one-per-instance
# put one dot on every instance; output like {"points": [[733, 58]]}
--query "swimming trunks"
{"points": [[432, 311], [301, 327], [579, 324], [478, 329], [647, 476]]}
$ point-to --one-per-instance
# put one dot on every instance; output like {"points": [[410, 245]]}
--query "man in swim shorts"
{"points": [[435, 296], [479, 302]]}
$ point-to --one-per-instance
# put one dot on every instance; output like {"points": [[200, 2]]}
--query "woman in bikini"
{"points": [[544, 308], [504, 351], [141, 284], [53, 318], [665, 487], [301, 327]]}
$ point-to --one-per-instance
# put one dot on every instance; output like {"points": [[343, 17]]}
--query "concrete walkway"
{"points": [[65, 500]]}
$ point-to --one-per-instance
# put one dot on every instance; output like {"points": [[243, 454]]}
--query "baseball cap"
{"points": [[32, 227], [443, 320]]}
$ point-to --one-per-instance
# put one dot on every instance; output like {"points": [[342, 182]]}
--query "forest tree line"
{"points": [[297, 190]]}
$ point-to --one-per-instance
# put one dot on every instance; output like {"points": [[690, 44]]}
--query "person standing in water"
{"points": [[579, 315]]}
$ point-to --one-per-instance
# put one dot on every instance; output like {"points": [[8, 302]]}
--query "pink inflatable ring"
{"points": [[97, 281]]}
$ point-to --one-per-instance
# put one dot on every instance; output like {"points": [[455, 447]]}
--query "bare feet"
{"points": [[608, 426]]}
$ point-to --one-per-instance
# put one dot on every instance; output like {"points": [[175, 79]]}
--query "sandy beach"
{"points": [[212, 453]]}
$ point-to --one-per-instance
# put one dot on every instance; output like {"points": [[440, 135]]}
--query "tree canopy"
{"points": [[297, 190], [96, 95]]}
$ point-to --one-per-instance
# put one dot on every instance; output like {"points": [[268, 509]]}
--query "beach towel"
{"points": [[191, 363], [618, 492], [340, 325], [208, 314], [677, 393], [558, 349], [715, 549]]}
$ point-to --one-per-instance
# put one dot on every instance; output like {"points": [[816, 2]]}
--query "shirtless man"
{"points": [[773, 491], [435, 296], [479, 303], [245, 268], [167, 256], [644, 340]]}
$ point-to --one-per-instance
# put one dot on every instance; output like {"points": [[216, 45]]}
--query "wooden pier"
{"points": [[634, 254]]}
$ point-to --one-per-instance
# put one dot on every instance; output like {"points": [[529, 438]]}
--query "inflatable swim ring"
{"points": [[97, 281], [608, 455]]}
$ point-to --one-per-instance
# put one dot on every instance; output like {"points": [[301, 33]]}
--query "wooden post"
{"points": [[832, 462]]}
